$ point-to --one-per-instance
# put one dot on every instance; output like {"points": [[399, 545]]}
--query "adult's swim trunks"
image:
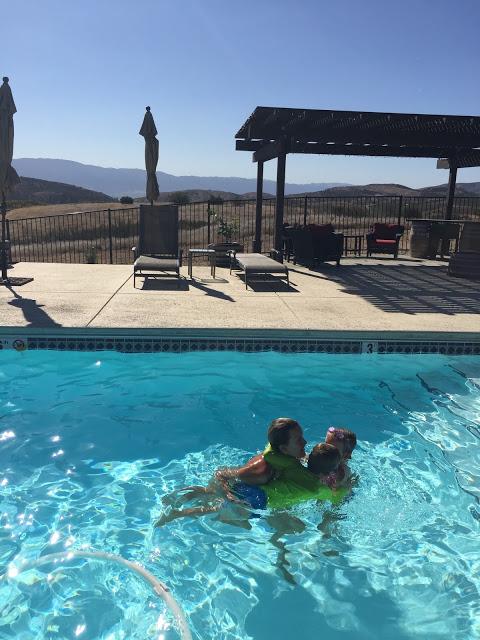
{"points": [[254, 496]]}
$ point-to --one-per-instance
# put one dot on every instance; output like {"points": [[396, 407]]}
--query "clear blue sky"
{"points": [[83, 72]]}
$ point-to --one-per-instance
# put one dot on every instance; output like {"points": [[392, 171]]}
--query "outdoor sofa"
{"points": [[314, 243]]}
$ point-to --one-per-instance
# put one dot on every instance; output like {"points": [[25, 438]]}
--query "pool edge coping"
{"points": [[140, 340]]}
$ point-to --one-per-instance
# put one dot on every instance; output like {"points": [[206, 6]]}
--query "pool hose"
{"points": [[159, 588]]}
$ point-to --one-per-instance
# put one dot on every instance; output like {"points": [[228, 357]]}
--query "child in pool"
{"points": [[345, 441], [324, 461], [241, 484]]}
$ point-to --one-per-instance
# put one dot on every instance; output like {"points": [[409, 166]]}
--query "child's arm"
{"points": [[343, 476]]}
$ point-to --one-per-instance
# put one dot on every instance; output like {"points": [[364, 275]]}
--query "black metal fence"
{"points": [[107, 236]]}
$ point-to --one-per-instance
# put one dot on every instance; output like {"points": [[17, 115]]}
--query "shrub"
{"points": [[179, 197], [126, 200], [215, 200], [91, 254]]}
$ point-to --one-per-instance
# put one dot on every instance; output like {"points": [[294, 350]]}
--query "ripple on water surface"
{"points": [[89, 445]]}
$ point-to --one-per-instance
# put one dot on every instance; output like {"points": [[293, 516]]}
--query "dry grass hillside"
{"points": [[39, 211]]}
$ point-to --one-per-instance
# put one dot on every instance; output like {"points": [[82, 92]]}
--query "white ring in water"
{"points": [[160, 589]]}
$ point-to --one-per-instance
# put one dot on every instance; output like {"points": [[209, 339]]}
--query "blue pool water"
{"points": [[90, 442]]}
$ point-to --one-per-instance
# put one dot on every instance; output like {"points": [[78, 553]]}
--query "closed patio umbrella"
{"points": [[149, 131], [8, 175]]}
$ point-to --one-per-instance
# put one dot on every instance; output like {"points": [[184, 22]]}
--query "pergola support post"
{"points": [[281, 161], [257, 243], [452, 181]]}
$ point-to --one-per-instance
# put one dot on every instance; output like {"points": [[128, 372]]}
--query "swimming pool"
{"points": [[90, 442]]}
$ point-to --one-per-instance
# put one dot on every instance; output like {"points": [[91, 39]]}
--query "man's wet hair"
{"points": [[323, 459], [279, 431]]}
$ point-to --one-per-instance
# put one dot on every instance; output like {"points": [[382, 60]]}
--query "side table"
{"points": [[357, 244], [202, 252]]}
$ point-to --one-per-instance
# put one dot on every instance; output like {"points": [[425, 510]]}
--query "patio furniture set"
{"points": [[158, 252], [320, 243]]}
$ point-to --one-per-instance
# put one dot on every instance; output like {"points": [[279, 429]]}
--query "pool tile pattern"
{"points": [[142, 344]]}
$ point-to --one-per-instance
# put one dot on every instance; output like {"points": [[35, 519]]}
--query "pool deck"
{"points": [[362, 295]]}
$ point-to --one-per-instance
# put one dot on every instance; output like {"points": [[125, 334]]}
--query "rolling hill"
{"points": [[33, 191]]}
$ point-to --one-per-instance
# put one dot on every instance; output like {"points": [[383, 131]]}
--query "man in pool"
{"points": [[242, 484]]}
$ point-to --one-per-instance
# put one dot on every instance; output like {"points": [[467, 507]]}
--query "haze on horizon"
{"points": [[83, 74]]}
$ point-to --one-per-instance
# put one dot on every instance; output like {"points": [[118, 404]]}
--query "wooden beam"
{"points": [[322, 148], [281, 161], [250, 145], [257, 243], [269, 151]]}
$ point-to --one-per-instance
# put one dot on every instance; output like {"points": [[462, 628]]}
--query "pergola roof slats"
{"points": [[394, 130]]}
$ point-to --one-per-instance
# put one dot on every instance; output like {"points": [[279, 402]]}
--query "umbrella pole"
{"points": [[4, 239], [5, 280]]}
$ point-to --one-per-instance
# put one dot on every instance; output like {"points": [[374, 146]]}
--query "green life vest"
{"points": [[282, 494], [294, 483]]}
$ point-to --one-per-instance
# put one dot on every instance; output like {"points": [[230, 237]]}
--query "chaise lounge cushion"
{"points": [[150, 263], [258, 263]]}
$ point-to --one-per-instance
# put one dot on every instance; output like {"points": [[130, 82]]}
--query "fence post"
{"points": [[400, 207], [305, 212], [110, 235], [9, 245], [208, 224]]}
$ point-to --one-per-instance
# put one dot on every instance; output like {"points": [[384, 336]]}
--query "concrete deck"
{"points": [[363, 294]]}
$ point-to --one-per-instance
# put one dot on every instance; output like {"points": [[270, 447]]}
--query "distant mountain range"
{"points": [[62, 190], [131, 182]]}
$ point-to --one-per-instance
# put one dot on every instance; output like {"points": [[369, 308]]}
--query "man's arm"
{"points": [[256, 471]]}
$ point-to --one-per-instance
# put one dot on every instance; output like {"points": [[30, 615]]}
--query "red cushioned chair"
{"points": [[384, 238]]}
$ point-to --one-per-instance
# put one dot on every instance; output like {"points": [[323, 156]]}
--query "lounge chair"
{"points": [[157, 253], [465, 263], [258, 264]]}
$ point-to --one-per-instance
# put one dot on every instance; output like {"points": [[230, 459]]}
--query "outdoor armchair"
{"points": [[384, 238], [157, 253]]}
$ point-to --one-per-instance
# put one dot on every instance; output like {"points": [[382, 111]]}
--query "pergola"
{"points": [[273, 132]]}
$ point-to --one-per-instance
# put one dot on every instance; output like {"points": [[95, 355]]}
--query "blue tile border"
{"points": [[158, 343]]}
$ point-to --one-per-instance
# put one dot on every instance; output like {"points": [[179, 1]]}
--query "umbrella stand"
{"points": [[5, 244]]}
